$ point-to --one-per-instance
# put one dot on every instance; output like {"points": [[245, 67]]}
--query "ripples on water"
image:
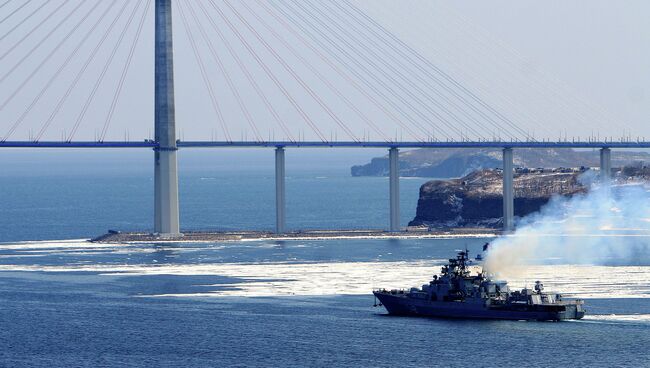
{"points": [[290, 303]]}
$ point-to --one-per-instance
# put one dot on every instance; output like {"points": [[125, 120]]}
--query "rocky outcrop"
{"points": [[454, 163], [476, 199]]}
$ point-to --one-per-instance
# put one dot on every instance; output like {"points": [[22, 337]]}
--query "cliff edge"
{"points": [[476, 199]]}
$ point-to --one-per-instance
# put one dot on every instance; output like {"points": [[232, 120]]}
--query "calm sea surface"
{"points": [[78, 194], [69, 303]]}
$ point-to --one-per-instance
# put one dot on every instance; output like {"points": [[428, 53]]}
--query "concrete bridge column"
{"points": [[508, 191], [605, 163], [280, 203], [166, 219], [393, 165]]}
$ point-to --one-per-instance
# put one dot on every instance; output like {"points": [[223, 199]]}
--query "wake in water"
{"points": [[637, 318]]}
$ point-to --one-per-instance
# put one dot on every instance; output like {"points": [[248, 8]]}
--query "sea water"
{"points": [[293, 303], [52, 194]]}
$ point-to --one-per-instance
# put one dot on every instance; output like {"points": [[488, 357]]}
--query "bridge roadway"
{"points": [[334, 144]]}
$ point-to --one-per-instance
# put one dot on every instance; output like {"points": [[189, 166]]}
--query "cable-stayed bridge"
{"points": [[277, 74]]}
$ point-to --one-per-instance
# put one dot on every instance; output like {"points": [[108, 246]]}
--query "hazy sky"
{"points": [[551, 68], [598, 49]]}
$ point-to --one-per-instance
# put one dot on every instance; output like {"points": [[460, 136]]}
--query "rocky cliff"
{"points": [[453, 163], [476, 199]]}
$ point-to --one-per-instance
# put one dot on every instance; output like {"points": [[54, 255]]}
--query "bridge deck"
{"points": [[318, 144]]}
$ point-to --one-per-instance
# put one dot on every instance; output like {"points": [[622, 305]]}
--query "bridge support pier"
{"points": [[280, 203], [393, 167], [166, 218], [508, 191], [605, 163]]}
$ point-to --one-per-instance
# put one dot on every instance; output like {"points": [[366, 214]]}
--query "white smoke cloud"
{"points": [[607, 225]]}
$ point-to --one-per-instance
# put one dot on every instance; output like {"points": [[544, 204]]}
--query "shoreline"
{"points": [[255, 236], [250, 236]]}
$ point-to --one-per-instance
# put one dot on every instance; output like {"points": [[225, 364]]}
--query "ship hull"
{"points": [[400, 304]]}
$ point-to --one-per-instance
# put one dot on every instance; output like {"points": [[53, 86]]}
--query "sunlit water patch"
{"points": [[302, 268]]}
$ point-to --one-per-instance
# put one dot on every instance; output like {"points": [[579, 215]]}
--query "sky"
{"points": [[594, 51], [552, 69]]}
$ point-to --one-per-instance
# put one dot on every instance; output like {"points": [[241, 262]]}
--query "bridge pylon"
{"points": [[166, 213]]}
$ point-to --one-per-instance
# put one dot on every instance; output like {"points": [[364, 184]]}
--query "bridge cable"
{"points": [[373, 71], [14, 11], [48, 84], [356, 74], [491, 88], [227, 77], [551, 91], [364, 80], [220, 65], [425, 61], [335, 67], [388, 52], [541, 82], [34, 29], [24, 19], [424, 71], [206, 81], [31, 51], [83, 69], [5, 3], [297, 77], [387, 75], [397, 82], [359, 64], [319, 75], [246, 72], [382, 60], [47, 59], [106, 65], [125, 70], [269, 73]]}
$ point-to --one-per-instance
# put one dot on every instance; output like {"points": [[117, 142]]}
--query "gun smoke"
{"points": [[608, 225]]}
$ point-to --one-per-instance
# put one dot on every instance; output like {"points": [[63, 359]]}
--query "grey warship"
{"points": [[456, 293]]}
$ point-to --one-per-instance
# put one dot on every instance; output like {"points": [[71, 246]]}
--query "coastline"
{"points": [[250, 236]]}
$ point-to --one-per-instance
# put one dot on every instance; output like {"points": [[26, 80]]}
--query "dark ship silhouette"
{"points": [[458, 294]]}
